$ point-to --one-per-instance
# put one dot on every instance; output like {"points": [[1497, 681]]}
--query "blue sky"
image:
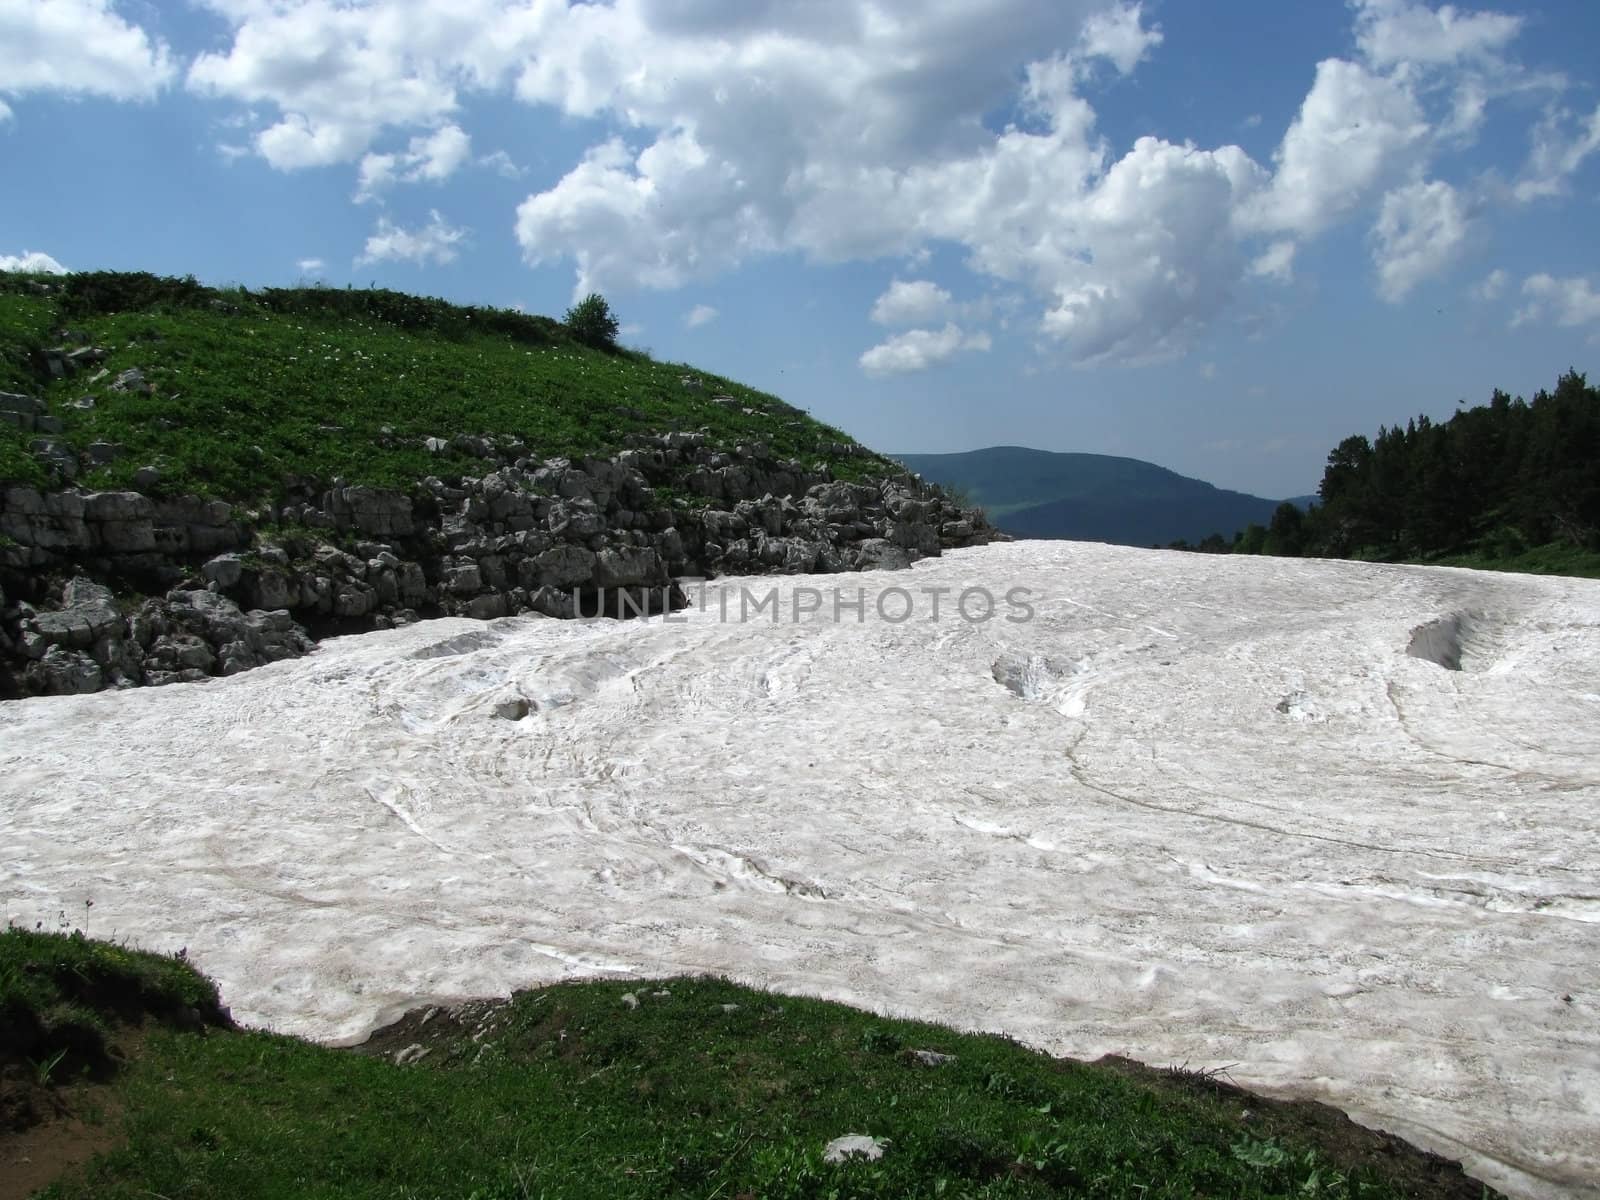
{"points": [[1219, 236]]}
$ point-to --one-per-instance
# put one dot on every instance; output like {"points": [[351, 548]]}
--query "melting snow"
{"points": [[1199, 810]]}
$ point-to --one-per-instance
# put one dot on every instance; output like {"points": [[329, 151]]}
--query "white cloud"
{"points": [[502, 165], [437, 242], [1144, 257], [5, 111], [1275, 262], [919, 349], [78, 47], [1119, 36], [911, 302], [429, 157], [1570, 302], [35, 262], [1391, 32], [1421, 230], [310, 266], [1556, 154], [1491, 286], [700, 314], [339, 75], [1355, 133], [862, 129]]}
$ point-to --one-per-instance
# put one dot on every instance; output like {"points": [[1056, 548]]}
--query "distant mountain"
{"points": [[1092, 497]]}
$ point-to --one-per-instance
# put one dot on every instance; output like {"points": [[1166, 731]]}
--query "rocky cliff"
{"points": [[122, 589]]}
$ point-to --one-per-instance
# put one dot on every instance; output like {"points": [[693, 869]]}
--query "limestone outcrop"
{"points": [[120, 589]]}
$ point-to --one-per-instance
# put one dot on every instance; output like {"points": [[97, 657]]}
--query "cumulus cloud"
{"points": [[919, 349], [1120, 37], [700, 314], [860, 129], [1569, 302], [438, 242], [911, 302], [1391, 32], [35, 262], [338, 75], [1421, 230], [311, 266], [1356, 131], [431, 157], [78, 47], [1560, 146]]}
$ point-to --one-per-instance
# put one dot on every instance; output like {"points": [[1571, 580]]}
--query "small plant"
{"points": [[592, 322], [45, 1067], [877, 1040], [1261, 1154]]}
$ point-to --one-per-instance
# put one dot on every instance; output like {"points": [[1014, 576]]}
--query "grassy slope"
{"points": [[712, 1090], [254, 388]]}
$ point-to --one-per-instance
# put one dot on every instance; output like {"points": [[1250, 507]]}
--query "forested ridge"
{"points": [[1510, 483]]}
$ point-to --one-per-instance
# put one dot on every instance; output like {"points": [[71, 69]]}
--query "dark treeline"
{"points": [[1490, 484]]}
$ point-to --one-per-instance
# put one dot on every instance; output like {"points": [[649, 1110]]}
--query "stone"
{"points": [[559, 567], [58, 455], [463, 579], [374, 511], [723, 525], [88, 612], [514, 709], [353, 600], [270, 588], [225, 571], [879, 554], [64, 672], [626, 566], [854, 1145], [487, 607], [176, 651]]}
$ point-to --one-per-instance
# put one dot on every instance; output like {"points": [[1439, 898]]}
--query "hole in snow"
{"points": [[1031, 676], [1461, 641]]}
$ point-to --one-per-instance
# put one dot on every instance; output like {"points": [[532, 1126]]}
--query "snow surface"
{"points": [[1199, 810]]}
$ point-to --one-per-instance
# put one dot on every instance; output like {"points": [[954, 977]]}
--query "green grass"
{"points": [[1554, 559], [712, 1091], [62, 995], [253, 389]]}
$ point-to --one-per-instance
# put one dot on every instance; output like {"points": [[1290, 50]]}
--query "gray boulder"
{"points": [[64, 672]]}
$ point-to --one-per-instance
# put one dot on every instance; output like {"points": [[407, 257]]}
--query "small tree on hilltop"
{"points": [[592, 323]]}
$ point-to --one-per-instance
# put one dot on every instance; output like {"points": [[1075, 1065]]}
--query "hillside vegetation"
{"points": [[686, 1087], [229, 392], [1089, 497], [1510, 485]]}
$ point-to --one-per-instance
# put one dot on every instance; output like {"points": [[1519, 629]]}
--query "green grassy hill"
{"points": [[233, 392], [1090, 497], [120, 1077]]}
